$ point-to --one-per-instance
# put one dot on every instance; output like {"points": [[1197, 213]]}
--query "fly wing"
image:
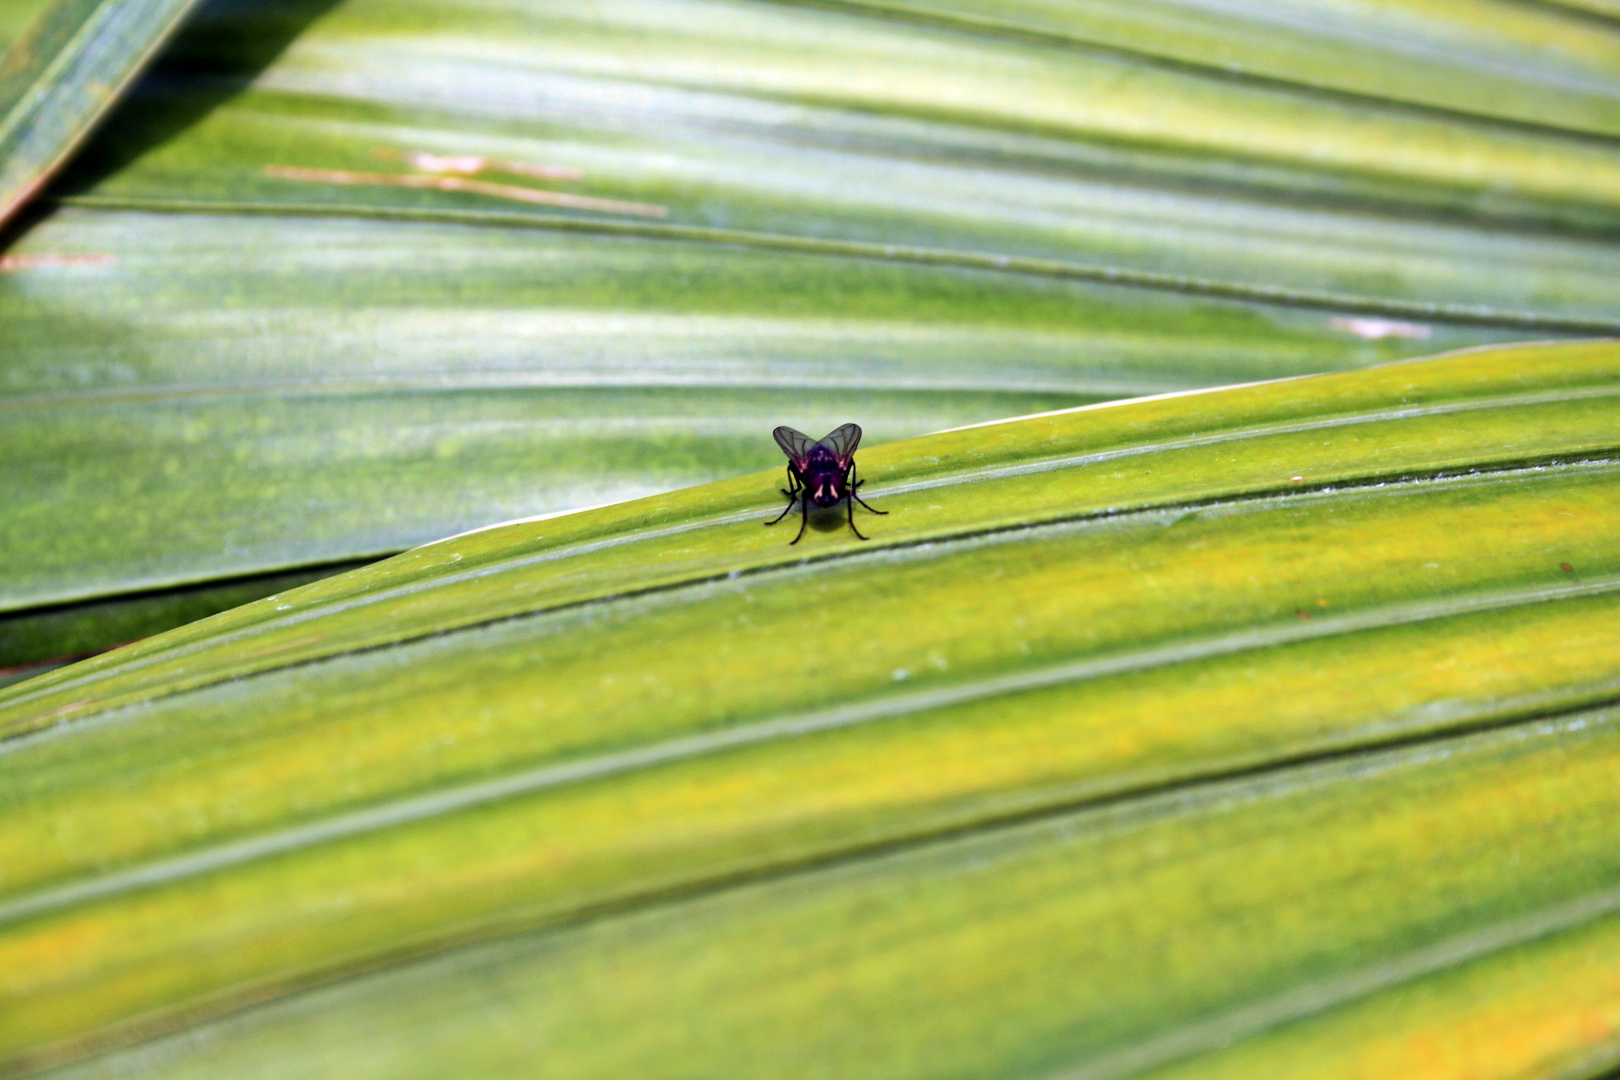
{"points": [[842, 442], [796, 445]]}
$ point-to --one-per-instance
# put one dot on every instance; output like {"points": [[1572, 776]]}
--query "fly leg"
{"points": [[805, 503], [849, 505], [793, 483], [785, 510], [854, 483]]}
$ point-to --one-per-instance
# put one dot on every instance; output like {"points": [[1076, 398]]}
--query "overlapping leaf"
{"points": [[477, 374], [61, 74], [508, 259], [1136, 736]]}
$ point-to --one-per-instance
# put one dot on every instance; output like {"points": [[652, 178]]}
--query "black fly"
{"points": [[821, 472]]}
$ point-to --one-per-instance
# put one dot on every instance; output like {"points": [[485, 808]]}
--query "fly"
{"points": [[821, 472]]}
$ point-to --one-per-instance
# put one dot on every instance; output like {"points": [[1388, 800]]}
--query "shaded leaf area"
{"points": [[60, 72], [250, 394], [42, 635], [1138, 733], [27, 670]]}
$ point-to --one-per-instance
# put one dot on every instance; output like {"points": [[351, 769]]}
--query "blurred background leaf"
{"points": [[1269, 729], [60, 73], [338, 279]]}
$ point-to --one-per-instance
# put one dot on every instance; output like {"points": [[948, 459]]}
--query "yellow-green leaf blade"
{"points": [[533, 765]]}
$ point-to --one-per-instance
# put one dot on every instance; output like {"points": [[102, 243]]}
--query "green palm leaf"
{"points": [[61, 73], [1136, 736], [1267, 730], [337, 281]]}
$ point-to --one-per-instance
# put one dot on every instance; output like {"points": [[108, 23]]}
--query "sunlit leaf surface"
{"points": [[1200, 733]]}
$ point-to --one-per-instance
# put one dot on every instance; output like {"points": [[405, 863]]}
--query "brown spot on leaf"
{"points": [[536, 196], [29, 262]]}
